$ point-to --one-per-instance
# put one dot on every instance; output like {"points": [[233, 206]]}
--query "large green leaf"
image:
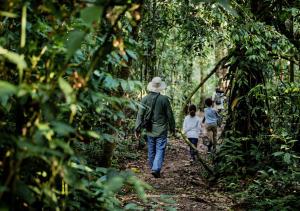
{"points": [[62, 144], [74, 41], [226, 5], [131, 54], [91, 14], [16, 59], [67, 89], [8, 14], [61, 128], [7, 88], [110, 82]]}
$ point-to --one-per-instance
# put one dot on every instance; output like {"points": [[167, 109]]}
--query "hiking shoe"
{"points": [[155, 174]]}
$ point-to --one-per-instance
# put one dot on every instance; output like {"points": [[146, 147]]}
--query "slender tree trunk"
{"points": [[152, 52], [202, 90], [292, 64], [292, 72]]}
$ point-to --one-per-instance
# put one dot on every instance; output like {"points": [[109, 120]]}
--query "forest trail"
{"points": [[181, 180]]}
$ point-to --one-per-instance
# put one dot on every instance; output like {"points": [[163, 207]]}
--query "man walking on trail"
{"points": [[157, 118]]}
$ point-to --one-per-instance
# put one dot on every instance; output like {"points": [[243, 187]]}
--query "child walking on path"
{"points": [[192, 129], [211, 118]]}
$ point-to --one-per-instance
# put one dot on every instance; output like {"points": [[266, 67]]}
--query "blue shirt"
{"points": [[211, 116]]}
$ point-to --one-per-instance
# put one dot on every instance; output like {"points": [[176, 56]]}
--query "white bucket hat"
{"points": [[156, 85]]}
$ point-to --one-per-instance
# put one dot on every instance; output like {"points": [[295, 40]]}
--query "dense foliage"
{"points": [[71, 73], [261, 140], [63, 74]]}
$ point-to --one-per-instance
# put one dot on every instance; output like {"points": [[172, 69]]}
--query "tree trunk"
{"points": [[292, 72], [123, 73]]}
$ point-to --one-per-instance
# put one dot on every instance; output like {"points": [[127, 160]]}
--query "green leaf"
{"points": [[132, 206], [91, 14], [101, 170], [81, 167], [167, 199], [132, 85], [7, 88], [93, 134], [49, 194], [125, 57], [62, 128], [131, 54], [278, 153], [69, 175], [115, 184], [74, 41], [8, 14], [263, 173], [97, 73], [169, 208], [25, 193], [116, 56], [287, 158], [62, 144], [110, 82], [66, 88], [124, 85], [16, 59], [226, 5], [3, 188]]}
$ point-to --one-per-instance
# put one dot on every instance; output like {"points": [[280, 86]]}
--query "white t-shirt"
{"points": [[192, 126]]}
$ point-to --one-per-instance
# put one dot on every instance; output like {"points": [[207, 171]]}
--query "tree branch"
{"points": [[289, 59], [221, 63], [202, 161]]}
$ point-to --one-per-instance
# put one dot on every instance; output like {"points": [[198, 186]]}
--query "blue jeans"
{"points": [[156, 152], [193, 152]]}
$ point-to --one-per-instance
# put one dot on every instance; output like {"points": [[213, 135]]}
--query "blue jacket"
{"points": [[211, 116]]}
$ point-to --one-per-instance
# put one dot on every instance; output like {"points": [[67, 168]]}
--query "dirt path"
{"points": [[181, 180]]}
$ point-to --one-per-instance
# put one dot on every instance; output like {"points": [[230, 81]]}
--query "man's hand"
{"points": [[137, 135]]}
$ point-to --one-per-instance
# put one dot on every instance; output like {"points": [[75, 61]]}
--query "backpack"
{"points": [[218, 98], [147, 121]]}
